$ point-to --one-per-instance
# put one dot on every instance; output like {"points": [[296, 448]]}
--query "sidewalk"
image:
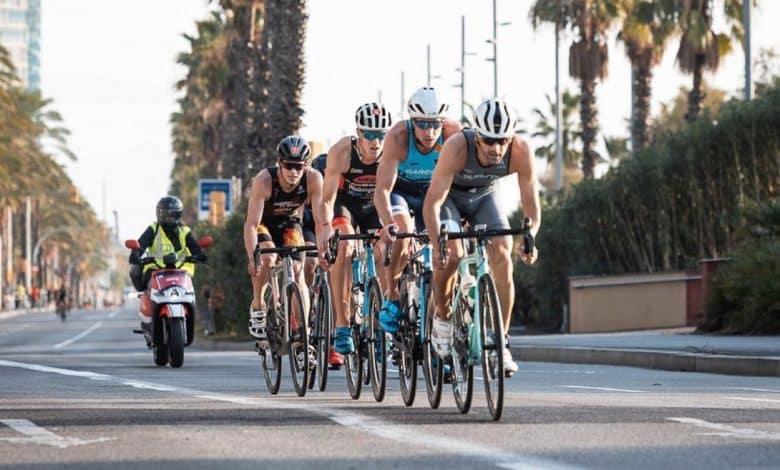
{"points": [[674, 349], [23, 311]]}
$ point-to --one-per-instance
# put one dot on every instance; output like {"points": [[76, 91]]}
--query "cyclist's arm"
{"points": [[261, 188], [450, 162], [523, 165], [450, 128], [394, 152], [314, 185], [334, 168]]}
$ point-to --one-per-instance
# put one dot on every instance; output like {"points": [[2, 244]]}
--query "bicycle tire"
{"points": [[492, 345], [298, 340], [273, 376], [377, 365], [462, 371], [323, 327], [432, 366], [353, 362], [407, 365]]}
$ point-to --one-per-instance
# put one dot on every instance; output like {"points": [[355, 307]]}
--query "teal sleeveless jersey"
{"points": [[414, 173]]}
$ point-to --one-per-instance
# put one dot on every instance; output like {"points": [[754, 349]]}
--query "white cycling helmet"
{"points": [[493, 118], [424, 104], [373, 117]]}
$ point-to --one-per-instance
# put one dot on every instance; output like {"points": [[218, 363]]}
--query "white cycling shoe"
{"points": [[510, 366], [441, 337], [257, 327]]}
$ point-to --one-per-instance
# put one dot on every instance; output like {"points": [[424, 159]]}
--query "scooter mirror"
{"points": [[206, 241], [132, 244]]}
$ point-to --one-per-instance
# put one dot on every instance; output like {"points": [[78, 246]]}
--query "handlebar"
{"points": [[524, 231]]}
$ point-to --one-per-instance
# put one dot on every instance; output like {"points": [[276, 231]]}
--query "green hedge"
{"points": [[664, 209]]}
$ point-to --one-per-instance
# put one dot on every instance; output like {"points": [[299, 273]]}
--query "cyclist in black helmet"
{"points": [[274, 217], [167, 235]]}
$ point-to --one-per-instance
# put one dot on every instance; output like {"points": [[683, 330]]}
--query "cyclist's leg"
{"points": [[486, 211], [292, 235], [309, 263], [443, 279], [341, 272], [369, 220], [391, 310], [257, 309]]}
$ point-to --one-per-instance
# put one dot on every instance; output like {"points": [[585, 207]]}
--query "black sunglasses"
{"points": [[494, 140], [292, 166]]}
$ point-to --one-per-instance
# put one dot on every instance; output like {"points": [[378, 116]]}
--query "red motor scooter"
{"points": [[168, 307]]}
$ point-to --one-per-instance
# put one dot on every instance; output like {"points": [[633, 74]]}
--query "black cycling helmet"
{"points": [[169, 210], [294, 149]]}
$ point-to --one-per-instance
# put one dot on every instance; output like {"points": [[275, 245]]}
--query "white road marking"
{"points": [[406, 434], [756, 389], [765, 400], [78, 336], [21, 327], [605, 389], [114, 313], [726, 430], [38, 435]]}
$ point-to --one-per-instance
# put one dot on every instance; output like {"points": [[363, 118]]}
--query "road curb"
{"points": [[653, 359]]}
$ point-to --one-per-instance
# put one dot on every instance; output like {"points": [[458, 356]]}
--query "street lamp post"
{"points": [[558, 111], [748, 65], [494, 41]]}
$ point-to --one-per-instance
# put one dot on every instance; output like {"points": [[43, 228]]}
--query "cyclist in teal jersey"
{"points": [[464, 187], [404, 174]]}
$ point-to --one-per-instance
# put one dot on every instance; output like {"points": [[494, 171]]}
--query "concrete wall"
{"points": [[629, 302]]}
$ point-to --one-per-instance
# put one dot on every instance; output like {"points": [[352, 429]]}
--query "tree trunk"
{"points": [[589, 120], [642, 85], [696, 96]]}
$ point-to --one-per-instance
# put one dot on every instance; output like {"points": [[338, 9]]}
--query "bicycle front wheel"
{"points": [[353, 365], [323, 314], [298, 340], [407, 365], [492, 326], [433, 366], [377, 347], [462, 371], [271, 361]]}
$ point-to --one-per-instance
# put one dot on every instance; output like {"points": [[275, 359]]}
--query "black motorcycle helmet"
{"points": [[169, 210], [293, 148]]}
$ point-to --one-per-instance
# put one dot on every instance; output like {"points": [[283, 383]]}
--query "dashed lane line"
{"points": [[78, 336]]}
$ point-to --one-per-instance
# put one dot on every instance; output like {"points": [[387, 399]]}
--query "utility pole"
{"points": [[494, 41], [462, 68], [9, 258], [748, 65], [27, 243], [428, 62], [558, 111], [116, 225], [403, 96]]}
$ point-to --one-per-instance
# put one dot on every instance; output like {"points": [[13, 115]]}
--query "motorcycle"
{"points": [[167, 307]]}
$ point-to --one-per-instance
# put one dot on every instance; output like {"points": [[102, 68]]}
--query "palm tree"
{"points": [[701, 48], [647, 25], [545, 129], [588, 56]]}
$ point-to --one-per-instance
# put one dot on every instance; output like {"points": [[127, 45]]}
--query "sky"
{"points": [[110, 67]]}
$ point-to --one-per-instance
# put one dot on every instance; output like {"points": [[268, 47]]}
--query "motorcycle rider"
{"points": [[164, 236]]}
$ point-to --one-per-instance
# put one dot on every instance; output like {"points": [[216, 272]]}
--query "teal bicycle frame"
{"points": [[478, 258]]}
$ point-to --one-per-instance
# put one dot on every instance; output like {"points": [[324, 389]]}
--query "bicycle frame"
{"points": [[363, 264], [423, 258], [478, 258]]}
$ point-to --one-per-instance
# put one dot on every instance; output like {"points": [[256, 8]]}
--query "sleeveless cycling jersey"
{"points": [[414, 173], [359, 182], [282, 204], [319, 163], [474, 175]]}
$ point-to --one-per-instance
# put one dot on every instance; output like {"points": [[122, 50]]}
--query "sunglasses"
{"points": [[494, 140], [292, 166], [373, 135], [426, 124]]}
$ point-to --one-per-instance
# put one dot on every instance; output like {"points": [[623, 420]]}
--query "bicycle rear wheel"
{"points": [[462, 371], [377, 347], [492, 326], [433, 366], [353, 364], [298, 340]]}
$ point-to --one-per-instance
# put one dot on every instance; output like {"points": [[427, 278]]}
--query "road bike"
{"points": [[478, 326], [320, 325], [285, 322]]}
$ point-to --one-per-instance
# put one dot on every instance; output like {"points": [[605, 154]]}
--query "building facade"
{"points": [[20, 34]]}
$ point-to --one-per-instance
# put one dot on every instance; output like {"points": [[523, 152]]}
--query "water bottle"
{"points": [[468, 288]]}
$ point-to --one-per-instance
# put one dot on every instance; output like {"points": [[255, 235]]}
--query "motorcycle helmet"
{"points": [[169, 210]]}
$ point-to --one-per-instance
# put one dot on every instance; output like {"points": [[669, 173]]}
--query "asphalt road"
{"points": [[86, 394]]}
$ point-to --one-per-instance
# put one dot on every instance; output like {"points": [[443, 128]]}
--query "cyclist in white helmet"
{"points": [[404, 174], [464, 187], [348, 193]]}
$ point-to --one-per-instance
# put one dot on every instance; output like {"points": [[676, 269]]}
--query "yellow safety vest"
{"points": [[162, 245]]}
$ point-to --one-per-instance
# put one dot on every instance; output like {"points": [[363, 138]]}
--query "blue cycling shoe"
{"points": [[447, 376], [342, 340], [389, 315]]}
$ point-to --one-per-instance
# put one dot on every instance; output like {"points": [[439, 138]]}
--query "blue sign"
{"points": [[207, 186]]}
